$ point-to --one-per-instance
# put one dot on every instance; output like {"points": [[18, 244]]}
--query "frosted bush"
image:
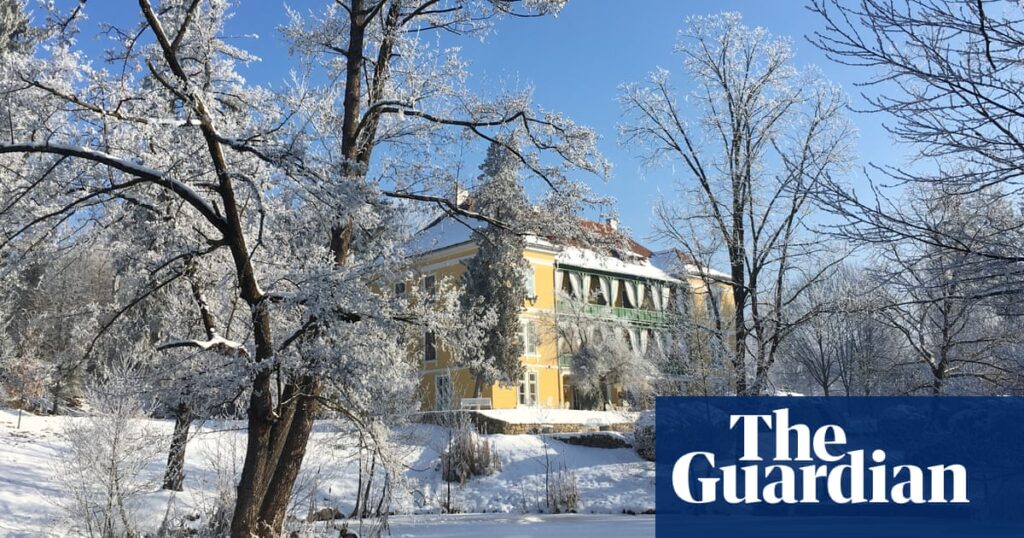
{"points": [[468, 454], [643, 434], [102, 467]]}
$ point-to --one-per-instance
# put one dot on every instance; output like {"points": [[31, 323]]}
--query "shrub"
{"points": [[223, 455], [562, 494], [468, 454], [102, 469], [643, 435]]}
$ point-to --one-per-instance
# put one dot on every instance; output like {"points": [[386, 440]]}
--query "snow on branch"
{"points": [[217, 343], [142, 172]]}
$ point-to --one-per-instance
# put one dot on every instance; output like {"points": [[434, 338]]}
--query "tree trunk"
{"points": [[288, 461], [365, 503], [740, 330], [478, 387], [256, 471], [174, 475], [55, 408], [277, 442], [939, 379]]}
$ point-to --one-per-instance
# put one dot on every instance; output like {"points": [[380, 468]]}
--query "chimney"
{"points": [[461, 196], [612, 223]]}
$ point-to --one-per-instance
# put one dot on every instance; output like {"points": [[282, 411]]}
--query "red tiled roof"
{"points": [[680, 256], [606, 230]]}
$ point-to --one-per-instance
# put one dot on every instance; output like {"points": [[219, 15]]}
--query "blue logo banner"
{"points": [[873, 466]]}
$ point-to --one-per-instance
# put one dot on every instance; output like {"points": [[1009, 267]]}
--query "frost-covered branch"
{"points": [[141, 172], [216, 343]]}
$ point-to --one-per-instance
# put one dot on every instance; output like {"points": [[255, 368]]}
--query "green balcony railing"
{"points": [[635, 315]]}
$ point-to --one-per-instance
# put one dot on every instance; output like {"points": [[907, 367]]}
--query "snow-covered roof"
{"points": [[442, 233], [667, 265], [677, 264], [588, 259]]}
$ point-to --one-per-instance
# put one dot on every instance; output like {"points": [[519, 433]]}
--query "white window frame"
{"points": [[528, 333], [530, 282], [400, 289], [430, 284], [528, 393]]}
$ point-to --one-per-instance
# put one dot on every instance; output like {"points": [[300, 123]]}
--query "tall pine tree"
{"points": [[15, 34], [495, 277]]}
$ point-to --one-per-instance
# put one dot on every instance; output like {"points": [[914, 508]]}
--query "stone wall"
{"points": [[489, 425], [597, 439]]}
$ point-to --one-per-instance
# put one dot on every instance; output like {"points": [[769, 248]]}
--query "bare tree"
{"points": [[56, 301], [945, 72], [694, 349], [765, 136], [843, 344], [937, 305], [606, 354]]}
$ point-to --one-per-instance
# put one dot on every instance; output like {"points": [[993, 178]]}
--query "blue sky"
{"points": [[576, 62]]}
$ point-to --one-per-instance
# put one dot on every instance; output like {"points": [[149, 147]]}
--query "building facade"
{"points": [[564, 283]]}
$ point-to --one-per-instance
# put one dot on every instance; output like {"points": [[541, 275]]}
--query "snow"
{"points": [[664, 266], [668, 261], [588, 259], [443, 233], [515, 526], [216, 341], [448, 232], [537, 415], [27, 487], [611, 482]]}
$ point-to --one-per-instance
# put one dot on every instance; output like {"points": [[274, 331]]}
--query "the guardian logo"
{"points": [[809, 467]]}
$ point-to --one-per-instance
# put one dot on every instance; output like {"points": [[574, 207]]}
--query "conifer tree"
{"points": [[495, 277], [15, 34]]}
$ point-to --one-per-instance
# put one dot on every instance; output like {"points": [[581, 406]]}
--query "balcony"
{"points": [[632, 315]]}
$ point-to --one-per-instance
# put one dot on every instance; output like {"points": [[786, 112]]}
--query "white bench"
{"points": [[475, 403]]}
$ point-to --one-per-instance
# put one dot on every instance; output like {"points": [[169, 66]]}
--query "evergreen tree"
{"points": [[15, 34], [495, 277]]}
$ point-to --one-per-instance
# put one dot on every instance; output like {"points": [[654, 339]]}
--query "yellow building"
{"points": [[564, 280]]}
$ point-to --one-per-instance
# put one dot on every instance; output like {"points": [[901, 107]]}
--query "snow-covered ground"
{"points": [[522, 526], [610, 482]]}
